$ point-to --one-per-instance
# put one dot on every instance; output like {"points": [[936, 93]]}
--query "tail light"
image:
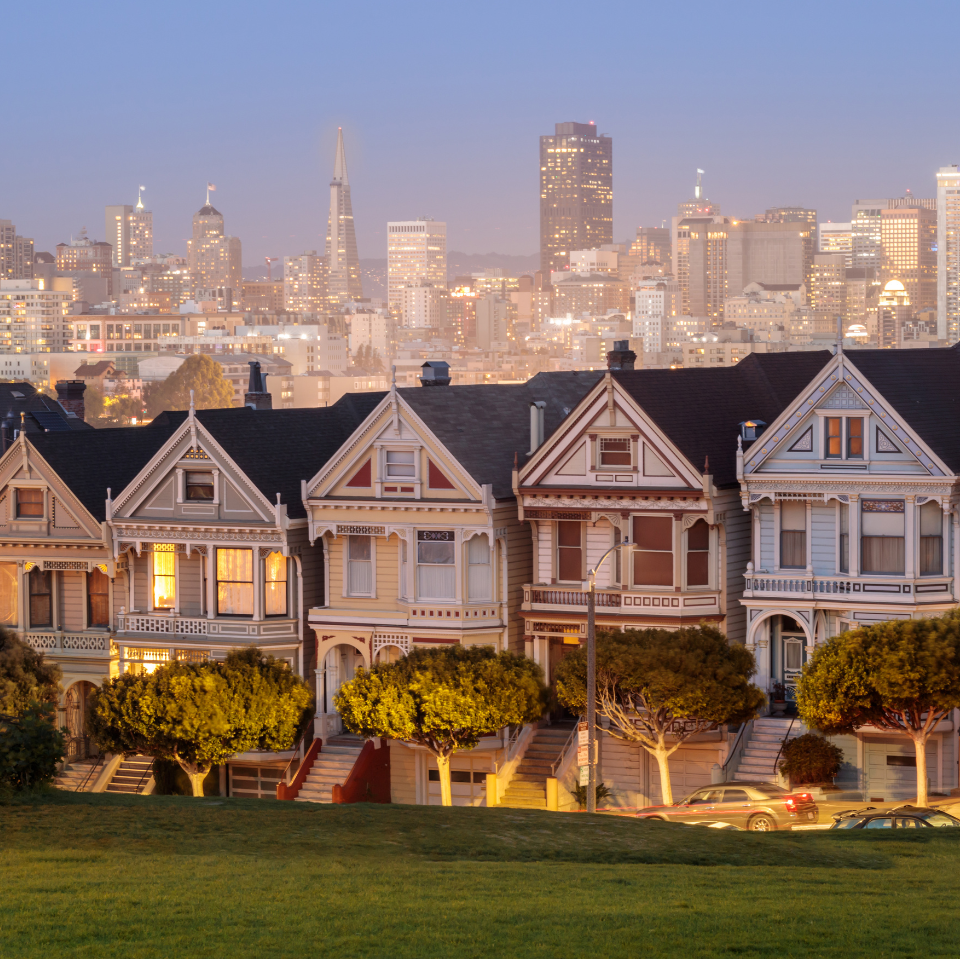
{"points": [[798, 799]]}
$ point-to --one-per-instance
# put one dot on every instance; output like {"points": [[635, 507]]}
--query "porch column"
{"points": [[909, 536], [853, 532], [258, 587], [757, 530], [131, 578]]}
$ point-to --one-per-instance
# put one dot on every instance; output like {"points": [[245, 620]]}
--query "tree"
{"points": [[443, 700], [123, 409], [25, 676], [198, 373], [92, 403], [31, 748], [201, 714], [658, 687], [901, 675]]}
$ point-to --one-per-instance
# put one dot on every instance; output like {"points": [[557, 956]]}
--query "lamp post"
{"points": [[592, 677]]}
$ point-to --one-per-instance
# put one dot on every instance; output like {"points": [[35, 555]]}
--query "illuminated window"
{"points": [[275, 585], [164, 575], [235, 582], [834, 438]]}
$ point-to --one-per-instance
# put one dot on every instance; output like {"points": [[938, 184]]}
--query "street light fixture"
{"points": [[592, 677]]}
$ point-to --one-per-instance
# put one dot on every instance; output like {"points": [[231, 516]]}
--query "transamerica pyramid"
{"points": [[343, 263]]}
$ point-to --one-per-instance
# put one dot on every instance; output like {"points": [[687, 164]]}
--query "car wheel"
{"points": [[762, 823]]}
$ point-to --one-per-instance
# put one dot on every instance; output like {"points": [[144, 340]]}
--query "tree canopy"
{"points": [[31, 747], [201, 714], [443, 699], [198, 373], [659, 687], [899, 675], [25, 676]]}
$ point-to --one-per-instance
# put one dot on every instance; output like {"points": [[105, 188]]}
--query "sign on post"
{"points": [[584, 775], [583, 755], [583, 735]]}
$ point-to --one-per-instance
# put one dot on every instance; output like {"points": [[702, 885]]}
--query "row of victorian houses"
{"points": [[784, 500]]}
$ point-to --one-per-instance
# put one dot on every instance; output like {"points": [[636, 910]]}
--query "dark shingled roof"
{"points": [[701, 410], [924, 387], [24, 398], [484, 425]]}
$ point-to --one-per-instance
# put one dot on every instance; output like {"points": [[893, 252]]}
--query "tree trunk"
{"points": [[196, 775], [920, 745], [443, 764], [663, 761]]}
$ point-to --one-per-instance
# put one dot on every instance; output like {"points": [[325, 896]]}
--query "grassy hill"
{"points": [[118, 876]]}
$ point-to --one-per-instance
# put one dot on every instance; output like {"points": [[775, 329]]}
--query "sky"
{"points": [[442, 104]]}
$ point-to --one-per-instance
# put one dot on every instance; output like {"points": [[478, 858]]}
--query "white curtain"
{"points": [[359, 566], [235, 582], [479, 576], [8, 594], [436, 569]]}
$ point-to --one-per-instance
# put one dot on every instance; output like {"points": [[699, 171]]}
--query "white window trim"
{"points": [[458, 565], [712, 546], [416, 481], [824, 415], [346, 572], [678, 561]]}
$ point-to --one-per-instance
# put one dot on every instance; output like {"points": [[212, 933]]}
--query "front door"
{"points": [[793, 655]]}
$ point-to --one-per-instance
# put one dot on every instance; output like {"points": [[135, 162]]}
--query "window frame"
{"points": [[488, 565], [432, 536], [347, 591], [48, 593], [628, 465], [699, 552], [559, 559], [637, 551], [42, 515], [187, 486], [235, 582], [174, 604], [90, 594], [400, 477]]}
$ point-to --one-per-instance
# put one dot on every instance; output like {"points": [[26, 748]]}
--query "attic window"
{"points": [[200, 486], [30, 503], [400, 464], [615, 451]]}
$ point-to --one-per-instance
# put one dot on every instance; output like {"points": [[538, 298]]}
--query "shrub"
{"points": [[31, 748], [580, 794], [811, 758]]}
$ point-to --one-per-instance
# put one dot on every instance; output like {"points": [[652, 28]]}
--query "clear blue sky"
{"points": [[442, 104]]}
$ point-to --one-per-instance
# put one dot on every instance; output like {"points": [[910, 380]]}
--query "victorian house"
{"points": [[852, 495], [645, 465]]}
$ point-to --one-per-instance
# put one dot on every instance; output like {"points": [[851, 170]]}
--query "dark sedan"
{"points": [[757, 806], [900, 817]]}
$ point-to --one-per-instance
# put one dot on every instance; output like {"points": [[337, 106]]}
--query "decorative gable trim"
{"points": [[885, 444], [805, 443], [843, 398], [436, 478]]}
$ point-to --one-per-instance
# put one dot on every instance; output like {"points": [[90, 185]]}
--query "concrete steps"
{"points": [[76, 775], [331, 767], [527, 788], [759, 757], [132, 775]]}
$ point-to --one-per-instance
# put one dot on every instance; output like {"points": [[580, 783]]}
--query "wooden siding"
{"points": [[189, 583], [403, 774], [823, 539], [544, 551], [519, 570], [766, 535], [599, 540], [72, 596], [737, 530]]}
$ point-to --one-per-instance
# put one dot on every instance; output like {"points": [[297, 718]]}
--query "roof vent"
{"points": [[751, 429], [435, 373]]}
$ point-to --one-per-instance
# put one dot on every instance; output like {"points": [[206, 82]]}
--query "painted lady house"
{"points": [[647, 458], [852, 495]]}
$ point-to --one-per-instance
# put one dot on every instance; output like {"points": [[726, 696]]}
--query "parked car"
{"points": [[900, 817], [757, 806]]}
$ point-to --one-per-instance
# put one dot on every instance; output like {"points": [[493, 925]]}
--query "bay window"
{"points": [[235, 582], [275, 584], [164, 575], [359, 566], [698, 554], [41, 597], [653, 551], [931, 540], [436, 564], [8, 594], [793, 535], [882, 536], [479, 577], [569, 551]]}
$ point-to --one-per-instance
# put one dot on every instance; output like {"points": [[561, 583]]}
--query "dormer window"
{"points": [[843, 437], [615, 451], [30, 504], [401, 464], [200, 486]]}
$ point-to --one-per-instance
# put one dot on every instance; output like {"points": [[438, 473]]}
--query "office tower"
{"points": [[416, 252], [83, 255], [652, 246], [129, 230], [657, 302], [492, 313], [828, 284], [33, 318], [576, 193], [595, 261], [698, 205], [423, 305], [343, 264], [787, 214], [213, 259], [777, 253], [594, 294], [948, 253], [893, 311], [305, 283], [699, 262], [836, 238], [16, 253], [865, 234], [908, 245]]}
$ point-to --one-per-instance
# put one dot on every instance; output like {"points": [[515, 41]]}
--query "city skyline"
{"points": [[479, 176]]}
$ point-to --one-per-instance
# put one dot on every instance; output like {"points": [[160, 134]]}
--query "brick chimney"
{"points": [[70, 394], [621, 357], [257, 397]]}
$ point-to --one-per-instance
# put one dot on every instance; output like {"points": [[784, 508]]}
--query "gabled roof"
{"points": [[93, 369], [484, 425], [43, 414], [701, 410]]}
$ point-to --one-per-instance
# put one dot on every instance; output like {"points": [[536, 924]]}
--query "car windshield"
{"points": [[847, 824], [940, 819], [879, 824]]}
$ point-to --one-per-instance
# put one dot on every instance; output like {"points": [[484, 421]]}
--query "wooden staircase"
{"points": [[758, 762], [132, 775], [331, 767], [527, 788]]}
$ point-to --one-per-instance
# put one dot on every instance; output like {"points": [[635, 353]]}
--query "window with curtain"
{"points": [[275, 584], [30, 503], [698, 554], [793, 535], [200, 486], [844, 538], [164, 575], [615, 451], [479, 570], [41, 598], [881, 536], [653, 551], [436, 564], [401, 464], [833, 437], [569, 551], [98, 598], [8, 594], [931, 540], [235, 582], [359, 566], [403, 568]]}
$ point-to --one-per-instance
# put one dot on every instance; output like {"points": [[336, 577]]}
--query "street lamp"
{"points": [[592, 677]]}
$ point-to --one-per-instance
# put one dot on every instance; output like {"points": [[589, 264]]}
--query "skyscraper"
{"points": [[908, 243], [576, 193], [948, 253], [129, 230], [698, 205], [416, 254], [343, 264], [305, 283], [16, 253], [214, 259]]}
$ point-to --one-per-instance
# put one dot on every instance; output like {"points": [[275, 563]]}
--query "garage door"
{"points": [[892, 769], [468, 779], [689, 770]]}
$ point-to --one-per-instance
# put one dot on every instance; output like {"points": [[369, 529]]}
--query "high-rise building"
{"points": [[16, 253], [83, 255], [423, 305], [305, 283], [214, 259], [699, 261], [652, 245], [698, 205], [657, 301], [948, 253], [32, 318], [908, 243], [828, 284], [129, 230], [576, 193], [787, 214], [416, 253], [343, 264], [865, 234], [771, 252], [836, 238]]}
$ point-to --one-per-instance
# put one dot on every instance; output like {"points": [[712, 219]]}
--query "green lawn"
{"points": [[116, 876]]}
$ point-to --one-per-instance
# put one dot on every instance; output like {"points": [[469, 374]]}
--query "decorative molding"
{"points": [[805, 443], [853, 484], [182, 535], [346, 529], [842, 398], [885, 444], [602, 504]]}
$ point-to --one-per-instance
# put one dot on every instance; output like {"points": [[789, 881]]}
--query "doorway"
{"points": [[78, 704], [789, 655]]}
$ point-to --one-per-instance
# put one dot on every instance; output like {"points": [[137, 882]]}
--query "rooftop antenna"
{"points": [[139, 197], [698, 192]]}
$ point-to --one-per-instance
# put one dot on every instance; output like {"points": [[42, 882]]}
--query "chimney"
{"points": [[536, 426], [8, 429], [435, 373], [70, 394], [621, 357], [257, 397]]}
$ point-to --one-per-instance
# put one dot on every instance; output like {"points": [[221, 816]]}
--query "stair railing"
{"points": [[81, 787], [735, 750], [147, 773], [563, 752], [301, 745], [783, 742]]}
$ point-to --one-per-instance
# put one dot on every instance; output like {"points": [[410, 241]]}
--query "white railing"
{"points": [[864, 587], [68, 642], [171, 625]]}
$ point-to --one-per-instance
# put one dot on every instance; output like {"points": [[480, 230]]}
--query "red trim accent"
{"points": [[431, 639], [290, 792], [436, 478], [362, 477], [369, 780]]}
